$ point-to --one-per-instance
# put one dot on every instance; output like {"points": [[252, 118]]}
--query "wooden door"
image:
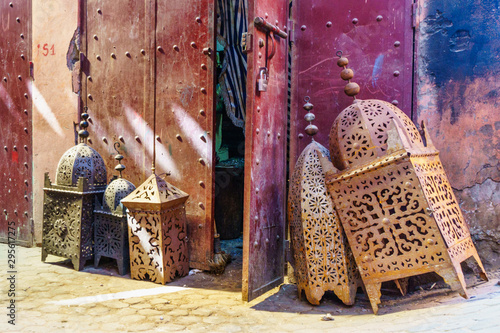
{"points": [[16, 186], [265, 156], [184, 87], [377, 38], [148, 66]]}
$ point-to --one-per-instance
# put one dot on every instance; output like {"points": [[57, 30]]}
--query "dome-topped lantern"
{"points": [[323, 260], [110, 221], [359, 134], [394, 200], [69, 203]]}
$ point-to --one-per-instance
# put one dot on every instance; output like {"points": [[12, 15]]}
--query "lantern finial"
{"points": [[351, 88], [119, 157], [83, 133], [311, 129]]}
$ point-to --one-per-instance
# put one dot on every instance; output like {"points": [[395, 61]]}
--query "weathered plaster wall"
{"points": [[54, 103], [458, 96]]}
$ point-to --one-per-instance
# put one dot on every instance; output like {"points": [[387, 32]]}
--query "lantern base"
{"points": [[111, 239]]}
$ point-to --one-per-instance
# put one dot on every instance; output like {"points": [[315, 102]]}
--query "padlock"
{"points": [[263, 80]]}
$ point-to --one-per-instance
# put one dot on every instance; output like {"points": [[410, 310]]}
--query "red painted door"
{"points": [[16, 202], [150, 67], [265, 155], [377, 38]]}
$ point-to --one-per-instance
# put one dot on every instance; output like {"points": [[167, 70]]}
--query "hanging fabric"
{"points": [[233, 76]]}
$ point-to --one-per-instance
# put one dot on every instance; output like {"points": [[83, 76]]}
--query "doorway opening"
{"points": [[231, 89]]}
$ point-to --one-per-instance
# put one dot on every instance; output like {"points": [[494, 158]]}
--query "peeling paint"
{"points": [[458, 85], [73, 54]]}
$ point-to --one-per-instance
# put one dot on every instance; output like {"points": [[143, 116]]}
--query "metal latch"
{"points": [[246, 42], [262, 24], [271, 31]]}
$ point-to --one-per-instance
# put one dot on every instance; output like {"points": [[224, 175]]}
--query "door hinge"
{"points": [[291, 31], [246, 42], [414, 8]]}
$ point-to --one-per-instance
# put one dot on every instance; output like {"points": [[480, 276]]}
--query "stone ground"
{"points": [[52, 297]]}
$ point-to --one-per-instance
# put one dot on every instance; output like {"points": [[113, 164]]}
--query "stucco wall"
{"points": [[54, 103], [458, 96]]}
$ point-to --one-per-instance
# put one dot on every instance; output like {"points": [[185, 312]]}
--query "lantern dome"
{"points": [[359, 134], [116, 190], [81, 161]]}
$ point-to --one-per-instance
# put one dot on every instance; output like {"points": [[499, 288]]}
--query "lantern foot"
{"points": [[373, 292], [78, 263], [454, 277], [44, 254], [482, 272], [97, 258], [402, 285], [122, 266], [314, 295]]}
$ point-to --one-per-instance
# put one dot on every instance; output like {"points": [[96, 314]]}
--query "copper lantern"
{"points": [[394, 199], [322, 258]]}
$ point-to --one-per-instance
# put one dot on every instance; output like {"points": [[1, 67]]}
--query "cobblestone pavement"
{"points": [[52, 297]]}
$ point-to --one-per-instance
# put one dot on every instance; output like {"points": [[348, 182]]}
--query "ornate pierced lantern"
{"points": [[110, 221], [394, 199], [157, 231], [323, 260], [69, 203]]}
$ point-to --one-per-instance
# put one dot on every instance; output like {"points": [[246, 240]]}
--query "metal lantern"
{"points": [[394, 199], [69, 203], [110, 221], [323, 260], [157, 231]]}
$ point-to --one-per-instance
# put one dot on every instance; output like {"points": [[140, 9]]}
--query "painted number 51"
{"points": [[46, 49]]}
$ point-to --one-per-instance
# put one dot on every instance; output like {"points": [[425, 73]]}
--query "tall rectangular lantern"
{"points": [[157, 231]]}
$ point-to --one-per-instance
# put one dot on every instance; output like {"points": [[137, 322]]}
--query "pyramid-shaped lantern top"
{"points": [[154, 194]]}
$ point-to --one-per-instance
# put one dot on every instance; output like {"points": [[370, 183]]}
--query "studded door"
{"points": [[151, 62], [15, 133], [265, 155], [185, 44], [376, 36], [118, 82]]}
